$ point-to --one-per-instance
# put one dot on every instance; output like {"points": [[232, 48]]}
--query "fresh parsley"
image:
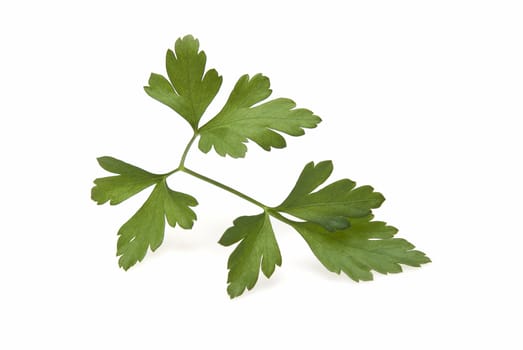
{"points": [[336, 221]]}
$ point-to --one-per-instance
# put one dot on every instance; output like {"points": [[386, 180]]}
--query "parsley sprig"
{"points": [[336, 220]]}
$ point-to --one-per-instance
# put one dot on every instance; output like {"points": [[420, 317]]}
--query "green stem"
{"points": [[225, 187], [181, 167], [186, 151]]}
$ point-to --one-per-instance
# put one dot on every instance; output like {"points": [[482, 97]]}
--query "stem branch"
{"points": [[225, 187], [181, 167], [186, 151]]}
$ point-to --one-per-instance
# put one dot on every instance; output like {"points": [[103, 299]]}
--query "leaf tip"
{"points": [[124, 264], [234, 291], [101, 160], [97, 196], [424, 259]]}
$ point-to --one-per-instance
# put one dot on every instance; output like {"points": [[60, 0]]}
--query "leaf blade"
{"points": [[129, 181], [190, 89], [146, 228], [160, 89], [258, 249], [333, 205], [177, 208], [364, 247], [242, 118]]}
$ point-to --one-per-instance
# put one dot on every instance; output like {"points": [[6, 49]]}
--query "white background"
{"points": [[421, 99]]}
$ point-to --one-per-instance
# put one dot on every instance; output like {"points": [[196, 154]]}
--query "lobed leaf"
{"points": [[145, 229], [190, 89], [241, 120], [333, 205], [129, 182], [365, 246], [257, 247]]}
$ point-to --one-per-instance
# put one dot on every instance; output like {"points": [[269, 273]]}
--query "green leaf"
{"points": [[177, 208], [366, 245], [333, 205], [129, 182], [240, 120], [190, 89], [145, 229], [258, 246]]}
